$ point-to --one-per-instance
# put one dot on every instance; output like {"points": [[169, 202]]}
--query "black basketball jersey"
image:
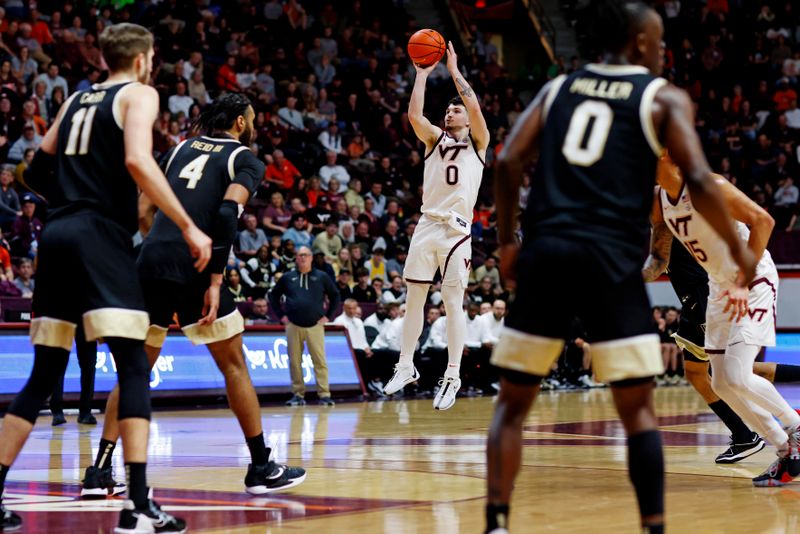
{"points": [[91, 171], [199, 171], [597, 164], [685, 274]]}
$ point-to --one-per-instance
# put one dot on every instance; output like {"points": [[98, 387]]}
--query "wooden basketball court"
{"points": [[401, 467]]}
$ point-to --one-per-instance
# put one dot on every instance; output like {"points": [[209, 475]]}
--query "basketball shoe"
{"points": [[261, 479], [148, 520], [740, 451], [99, 484], [403, 376], [446, 396], [9, 521]]}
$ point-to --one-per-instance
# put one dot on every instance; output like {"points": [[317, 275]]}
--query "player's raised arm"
{"points": [[426, 132], [477, 124], [660, 244], [745, 210], [518, 151], [140, 108], [672, 111]]}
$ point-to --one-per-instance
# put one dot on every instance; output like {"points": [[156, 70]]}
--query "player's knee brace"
{"points": [[133, 375], [49, 365]]}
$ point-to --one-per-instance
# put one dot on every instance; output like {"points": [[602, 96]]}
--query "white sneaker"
{"points": [[446, 396], [588, 382], [403, 376]]}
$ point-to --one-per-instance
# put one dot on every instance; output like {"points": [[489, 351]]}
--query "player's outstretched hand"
{"points": [[747, 263], [737, 302], [199, 245], [452, 58], [508, 264], [424, 70], [210, 304]]}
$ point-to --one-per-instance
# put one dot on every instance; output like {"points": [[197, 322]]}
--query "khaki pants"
{"points": [[314, 337]]}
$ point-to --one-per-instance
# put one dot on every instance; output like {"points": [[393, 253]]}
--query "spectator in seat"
{"points": [[180, 101], [353, 195], [251, 238], [226, 76], [398, 263], [298, 232], [376, 194], [27, 228], [332, 170], [276, 217], [485, 291], [29, 139], [26, 39], [376, 266], [233, 283], [10, 207], [258, 314], [386, 347], [395, 292], [363, 291], [281, 172], [491, 325], [786, 197], [6, 274], [52, 80], [259, 272], [329, 242], [331, 139], [290, 117], [358, 339], [343, 283], [25, 281], [323, 266], [489, 270]]}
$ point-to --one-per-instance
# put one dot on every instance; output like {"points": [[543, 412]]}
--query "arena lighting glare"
{"points": [[480, 4]]}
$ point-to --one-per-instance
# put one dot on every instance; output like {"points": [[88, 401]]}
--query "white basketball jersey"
{"points": [[453, 172], [700, 239]]}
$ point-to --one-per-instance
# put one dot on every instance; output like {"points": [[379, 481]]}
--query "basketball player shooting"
{"points": [[454, 161]]}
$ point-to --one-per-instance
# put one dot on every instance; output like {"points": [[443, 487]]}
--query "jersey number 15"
{"points": [[587, 133]]}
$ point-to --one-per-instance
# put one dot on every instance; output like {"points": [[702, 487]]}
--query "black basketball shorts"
{"points": [[559, 279], [86, 272], [691, 334]]}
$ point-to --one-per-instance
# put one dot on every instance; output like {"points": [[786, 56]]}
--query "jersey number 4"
{"points": [[193, 171], [81, 127], [587, 134]]}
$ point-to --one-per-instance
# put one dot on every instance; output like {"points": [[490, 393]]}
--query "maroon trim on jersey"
{"points": [[763, 280], [715, 351], [471, 140], [419, 281], [447, 261], [433, 148], [680, 194]]}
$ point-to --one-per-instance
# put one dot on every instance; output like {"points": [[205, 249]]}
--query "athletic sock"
{"points": [[740, 432], [105, 454], [137, 483], [453, 370], [787, 373], [259, 453], [3, 472], [646, 470], [496, 516]]}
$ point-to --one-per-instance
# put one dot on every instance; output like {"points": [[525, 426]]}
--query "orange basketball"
{"points": [[426, 47]]}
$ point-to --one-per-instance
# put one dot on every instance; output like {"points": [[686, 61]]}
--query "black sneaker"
{"points": [[740, 451], [59, 419], [150, 519], [776, 474], [261, 479], [9, 521], [99, 484], [87, 419], [296, 400], [326, 401]]}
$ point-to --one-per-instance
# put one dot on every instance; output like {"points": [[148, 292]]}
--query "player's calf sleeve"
{"points": [[133, 375], [49, 365], [646, 470]]}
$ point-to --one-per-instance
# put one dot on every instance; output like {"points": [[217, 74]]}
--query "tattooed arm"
{"points": [[477, 124], [660, 245]]}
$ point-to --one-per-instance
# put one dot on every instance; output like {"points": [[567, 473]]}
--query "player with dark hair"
{"points": [[735, 334], [599, 133], [100, 148], [213, 176]]}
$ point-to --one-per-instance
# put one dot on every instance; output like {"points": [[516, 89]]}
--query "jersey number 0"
{"points": [[587, 134]]}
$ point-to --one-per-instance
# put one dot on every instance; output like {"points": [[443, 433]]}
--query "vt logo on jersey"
{"points": [[681, 225], [456, 148], [757, 311], [467, 263]]}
